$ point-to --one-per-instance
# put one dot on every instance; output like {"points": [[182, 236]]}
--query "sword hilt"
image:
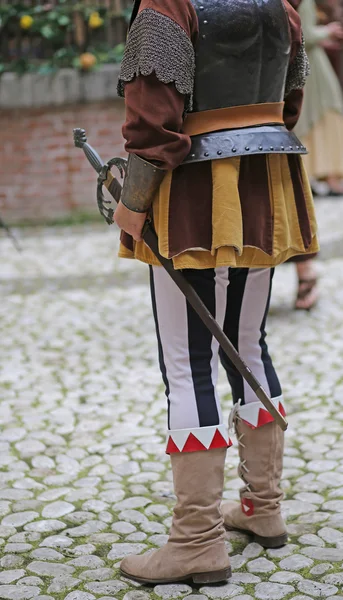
{"points": [[80, 141]]}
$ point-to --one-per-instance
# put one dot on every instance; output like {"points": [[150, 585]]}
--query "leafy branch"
{"points": [[48, 37]]}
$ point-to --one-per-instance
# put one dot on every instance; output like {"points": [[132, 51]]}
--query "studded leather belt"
{"points": [[259, 139], [233, 117]]}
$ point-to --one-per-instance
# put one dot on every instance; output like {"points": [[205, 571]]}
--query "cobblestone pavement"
{"points": [[84, 480]]}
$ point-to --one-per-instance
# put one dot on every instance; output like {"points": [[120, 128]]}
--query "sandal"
{"points": [[308, 295]]}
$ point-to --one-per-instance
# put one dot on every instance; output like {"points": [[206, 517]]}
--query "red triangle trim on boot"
{"points": [[171, 446], [193, 444], [247, 507], [282, 409], [264, 417], [219, 442]]}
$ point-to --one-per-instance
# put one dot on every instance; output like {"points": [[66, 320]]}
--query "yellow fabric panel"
{"points": [[224, 257], [227, 224], [286, 232], [161, 215]]}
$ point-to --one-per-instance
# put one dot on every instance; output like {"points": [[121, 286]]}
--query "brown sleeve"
{"points": [[154, 118], [293, 101], [158, 85]]}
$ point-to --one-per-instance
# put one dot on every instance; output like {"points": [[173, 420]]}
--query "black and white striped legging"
{"points": [[188, 354]]}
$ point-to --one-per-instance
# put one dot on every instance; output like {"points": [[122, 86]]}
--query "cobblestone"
{"points": [[10, 576], [176, 590], [84, 479], [316, 589], [296, 562], [64, 583], [272, 591], [229, 590], [334, 578], [324, 554], [261, 565]]}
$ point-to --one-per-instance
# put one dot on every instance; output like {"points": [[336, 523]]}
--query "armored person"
{"points": [[213, 89]]}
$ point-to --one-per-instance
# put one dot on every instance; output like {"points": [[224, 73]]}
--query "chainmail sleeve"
{"points": [[298, 70], [157, 44]]}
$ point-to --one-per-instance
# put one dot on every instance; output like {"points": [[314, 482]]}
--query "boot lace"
{"points": [[242, 467]]}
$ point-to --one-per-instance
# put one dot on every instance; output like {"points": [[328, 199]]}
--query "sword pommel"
{"points": [[80, 141], [80, 137]]}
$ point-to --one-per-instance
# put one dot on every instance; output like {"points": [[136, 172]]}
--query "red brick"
{"points": [[42, 174]]}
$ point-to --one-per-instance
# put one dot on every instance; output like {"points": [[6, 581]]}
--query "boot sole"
{"points": [[211, 577], [266, 542]]}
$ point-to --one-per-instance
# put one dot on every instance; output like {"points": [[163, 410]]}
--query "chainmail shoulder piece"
{"points": [[157, 44], [298, 71]]}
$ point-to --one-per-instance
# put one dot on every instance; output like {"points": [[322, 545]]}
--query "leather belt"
{"points": [[233, 117], [263, 139]]}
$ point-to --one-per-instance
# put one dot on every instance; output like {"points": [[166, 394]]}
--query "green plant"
{"points": [[45, 38]]}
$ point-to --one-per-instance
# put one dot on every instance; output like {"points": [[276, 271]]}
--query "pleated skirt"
{"points": [[252, 211]]}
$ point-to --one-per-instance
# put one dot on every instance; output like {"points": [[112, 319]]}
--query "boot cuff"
{"points": [[255, 415], [197, 439]]}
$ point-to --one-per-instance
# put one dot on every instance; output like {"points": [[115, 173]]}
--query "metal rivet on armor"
{"points": [[205, 22], [282, 147], [291, 147], [234, 149], [201, 8], [204, 37], [247, 148], [298, 147], [192, 155], [260, 147], [272, 148], [206, 154], [219, 152]]}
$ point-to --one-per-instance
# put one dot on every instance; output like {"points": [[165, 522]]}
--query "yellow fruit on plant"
{"points": [[26, 22], [95, 20], [87, 60]]}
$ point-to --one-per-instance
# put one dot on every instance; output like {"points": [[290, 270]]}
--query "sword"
{"points": [[150, 237]]}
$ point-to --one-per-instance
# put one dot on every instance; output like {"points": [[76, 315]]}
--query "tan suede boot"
{"points": [[196, 547], [261, 457]]}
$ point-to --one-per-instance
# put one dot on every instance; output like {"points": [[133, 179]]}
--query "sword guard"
{"points": [[120, 163], [108, 212]]}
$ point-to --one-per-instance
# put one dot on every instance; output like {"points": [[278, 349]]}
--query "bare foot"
{"points": [[308, 293], [336, 186]]}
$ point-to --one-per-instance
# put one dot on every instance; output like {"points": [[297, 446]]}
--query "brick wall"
{"points": [[42, 175]]}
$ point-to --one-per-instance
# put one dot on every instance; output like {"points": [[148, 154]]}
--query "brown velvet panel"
{"points": [[190, 208], [255, 202], [300, 201], [126, 240]]}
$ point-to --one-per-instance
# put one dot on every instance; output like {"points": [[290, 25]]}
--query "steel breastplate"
{"points": [[242, 53]]}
